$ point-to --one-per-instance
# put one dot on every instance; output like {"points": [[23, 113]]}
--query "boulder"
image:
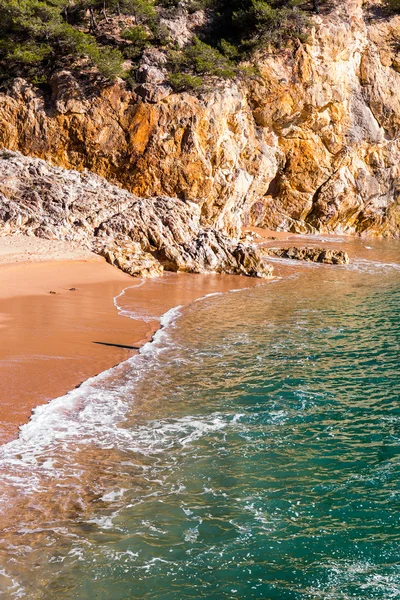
{"points": [[153, 93], [130, 258], [150, 74], [311, 254]]}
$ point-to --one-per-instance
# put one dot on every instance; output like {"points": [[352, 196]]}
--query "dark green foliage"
{"points": [[138, 35], [39, 36], [394, 5], [107, 60], [26, 52], [249, 24], [239, 27], [197, 59], [229, 50], [203, 59], [139, 38], [195, 5], [183, 81], [143, 10], [35, 34]]}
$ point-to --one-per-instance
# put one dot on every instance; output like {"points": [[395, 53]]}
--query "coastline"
{"points": [[60, 323], [112, 449], [49, 340], [96, 317]]}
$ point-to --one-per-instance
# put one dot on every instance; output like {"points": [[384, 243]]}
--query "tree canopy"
{"points": [[39, 36]]}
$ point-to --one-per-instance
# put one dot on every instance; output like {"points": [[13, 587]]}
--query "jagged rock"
{"points": [[141, 236], [310, 254], [130, 258], [206, 150], [149, 74], [252, 261], [217, 253], [67, 94], [153, 93], [153, 57], [250, 236], [180, 23]]}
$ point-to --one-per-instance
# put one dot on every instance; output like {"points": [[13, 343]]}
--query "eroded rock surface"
{"points": [[140, 236], [311, 254], [311, 145]]}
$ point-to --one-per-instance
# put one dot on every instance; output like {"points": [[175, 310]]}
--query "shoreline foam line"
{"points": [[89, 413], [121, 311], [71, 402], [146, 318]]}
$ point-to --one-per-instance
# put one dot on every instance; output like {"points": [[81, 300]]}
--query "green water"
{"points": [[253, 451]]}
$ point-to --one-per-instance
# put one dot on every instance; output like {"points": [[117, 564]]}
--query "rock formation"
{"points": [[311, 254], [310, 145], [140, 236]]}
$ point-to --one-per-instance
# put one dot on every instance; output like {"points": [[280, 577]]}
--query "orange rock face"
{"points": [[311, 145]]}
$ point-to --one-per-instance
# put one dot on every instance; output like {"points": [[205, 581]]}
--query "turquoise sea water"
{"points": [[251, 451]]}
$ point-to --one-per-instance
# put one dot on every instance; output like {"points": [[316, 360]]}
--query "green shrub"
{"points": [[249, 71], [202, 58], [138, 35], [162, 35], [195, 5], [140, 39], [35, 30], [230, 51], [28, 53], [108, 61], [394, 5], [143, 10], [37, 36], [251, 23], [181, 82]]}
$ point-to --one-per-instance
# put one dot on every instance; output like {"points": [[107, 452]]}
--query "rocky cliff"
{"points": [[309, 145]]}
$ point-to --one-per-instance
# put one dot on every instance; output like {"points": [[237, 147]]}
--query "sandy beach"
{"points": [[59, 325], [48, 340]]}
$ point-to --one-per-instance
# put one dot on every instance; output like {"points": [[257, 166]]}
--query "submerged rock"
{"points": [[310, 254], [141, 236]]}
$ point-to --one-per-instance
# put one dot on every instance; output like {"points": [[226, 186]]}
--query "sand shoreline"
{"points": [[59, 325], [52, 342]]}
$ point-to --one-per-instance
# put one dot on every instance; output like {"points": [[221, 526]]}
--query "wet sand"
{"points": [[48, 340], [52, 342]]}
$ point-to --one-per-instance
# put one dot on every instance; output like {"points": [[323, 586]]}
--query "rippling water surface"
{"points": [[251, 451]]}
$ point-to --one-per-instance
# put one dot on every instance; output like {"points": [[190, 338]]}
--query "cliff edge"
{"points": [[309, 145]]}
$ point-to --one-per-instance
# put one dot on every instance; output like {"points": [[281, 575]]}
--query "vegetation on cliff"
{"points": [[108, 37], [393, 5], [310, 145]]}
